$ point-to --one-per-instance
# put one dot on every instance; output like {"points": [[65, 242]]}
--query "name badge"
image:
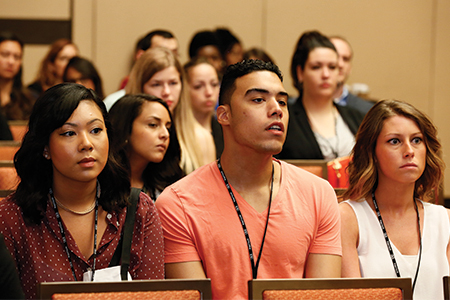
{"points": [[105, 275]]}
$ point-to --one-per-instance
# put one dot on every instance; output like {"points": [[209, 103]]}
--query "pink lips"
{"points": [[409, 165], [87, 162]]}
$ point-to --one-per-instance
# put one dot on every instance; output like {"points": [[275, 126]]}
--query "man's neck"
{"points": [[247, 171], [339, 91]]}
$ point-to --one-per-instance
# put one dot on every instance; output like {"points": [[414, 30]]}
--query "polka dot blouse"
{"points": [[39, 252]]}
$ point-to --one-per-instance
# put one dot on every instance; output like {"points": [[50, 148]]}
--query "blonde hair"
{"points": [[192, 136], [151, 62], [188, 129]]}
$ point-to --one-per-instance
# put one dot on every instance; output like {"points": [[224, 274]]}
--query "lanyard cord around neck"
{"points": [[63, 234], [388, 243], [241, 218]]}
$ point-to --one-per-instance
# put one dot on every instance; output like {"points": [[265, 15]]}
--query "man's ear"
{"points": [[223, 114]]}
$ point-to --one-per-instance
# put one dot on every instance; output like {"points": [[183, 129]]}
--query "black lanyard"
{"points": [[61, 228], [388, 243], [244, 227]]}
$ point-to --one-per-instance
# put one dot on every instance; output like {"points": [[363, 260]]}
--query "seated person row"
{"points": [[318, 128], [68, 212]]}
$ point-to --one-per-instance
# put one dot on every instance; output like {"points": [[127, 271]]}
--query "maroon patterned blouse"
{"points": [[39, 252]]}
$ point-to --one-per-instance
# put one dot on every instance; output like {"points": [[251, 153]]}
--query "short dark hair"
{"points": [[50, 112], [240, 69], [202, 39], [156, 176], [307, 42], [88, 71], [146, 42]]}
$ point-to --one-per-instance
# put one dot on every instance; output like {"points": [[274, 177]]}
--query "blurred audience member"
{"points": [[52, 66], [343, 96], [258, 53], [207, 44], [82, 71], [15, 102], [203, 85], [230, 46], [155, 38], [318, 129]]}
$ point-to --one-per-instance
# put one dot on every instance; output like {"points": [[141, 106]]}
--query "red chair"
{"points": [[197, 289], [331, 289]]}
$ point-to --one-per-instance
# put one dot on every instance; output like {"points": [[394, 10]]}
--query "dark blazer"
{"points": [[300, 140], [359, 103]]}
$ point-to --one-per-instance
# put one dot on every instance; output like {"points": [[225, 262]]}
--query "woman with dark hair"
{"points": [[82, 71], [68, 212], [258, 53], [52, 66], [15, 103], [318, 129], [145, 141], [388, 230]]}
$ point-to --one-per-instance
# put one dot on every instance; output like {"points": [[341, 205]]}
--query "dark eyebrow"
{"points": [[263, 91], [88, 123]]}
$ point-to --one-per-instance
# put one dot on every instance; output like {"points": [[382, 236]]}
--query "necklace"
{"points": [[85, 212]]}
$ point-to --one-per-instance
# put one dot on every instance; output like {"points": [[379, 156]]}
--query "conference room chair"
{"points": [[331, 289]]}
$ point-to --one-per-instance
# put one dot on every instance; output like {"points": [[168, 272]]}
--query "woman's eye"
{"points": [[417, 140], [68, 133], [97, 130], [394, 141]]}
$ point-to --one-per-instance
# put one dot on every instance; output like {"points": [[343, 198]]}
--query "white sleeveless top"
{"points": [[375, 261]]}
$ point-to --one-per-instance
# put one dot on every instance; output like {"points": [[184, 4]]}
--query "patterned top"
{"points": [[39, 252]]}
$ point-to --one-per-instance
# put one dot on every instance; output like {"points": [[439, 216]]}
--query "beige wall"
{"points": [[400, 46]]}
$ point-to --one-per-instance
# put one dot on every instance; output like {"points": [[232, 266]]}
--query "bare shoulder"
{"points": [[349, 222]]}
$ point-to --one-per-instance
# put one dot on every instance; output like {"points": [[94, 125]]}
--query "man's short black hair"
{"points": [[146, 42], [240, 69]]}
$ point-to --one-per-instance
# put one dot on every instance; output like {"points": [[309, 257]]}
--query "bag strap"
{"points": [[123, 249]]}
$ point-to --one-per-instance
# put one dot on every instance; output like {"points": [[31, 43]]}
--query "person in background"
{"points": [[388, 230], [287, 215], [258, 53], [203, 85], [153, 39], [15, 102], [52, 66], [146, 142], [72, 186], [342, 96], [318, 128], [230, 46], [207, 44], [82, 71]]}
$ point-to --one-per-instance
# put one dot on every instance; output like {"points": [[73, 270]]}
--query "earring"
{"points": [[46, 155]]}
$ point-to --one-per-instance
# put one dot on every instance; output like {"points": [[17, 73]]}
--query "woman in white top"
{"points": [[396, 164]]}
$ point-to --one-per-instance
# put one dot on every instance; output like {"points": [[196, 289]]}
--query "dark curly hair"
{"points": [[240, 69]]}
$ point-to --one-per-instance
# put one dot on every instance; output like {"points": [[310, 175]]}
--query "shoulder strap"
{"points": [[128, 232], [123, 249]]}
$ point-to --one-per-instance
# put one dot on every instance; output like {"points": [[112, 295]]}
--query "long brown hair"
{"points": [[363, 174]]}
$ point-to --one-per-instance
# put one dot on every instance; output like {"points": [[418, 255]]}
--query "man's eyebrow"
{"points": [[256, 90], [264, 91]]}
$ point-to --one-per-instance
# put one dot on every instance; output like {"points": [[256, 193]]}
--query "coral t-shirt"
{"points": [[200, 223]]}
